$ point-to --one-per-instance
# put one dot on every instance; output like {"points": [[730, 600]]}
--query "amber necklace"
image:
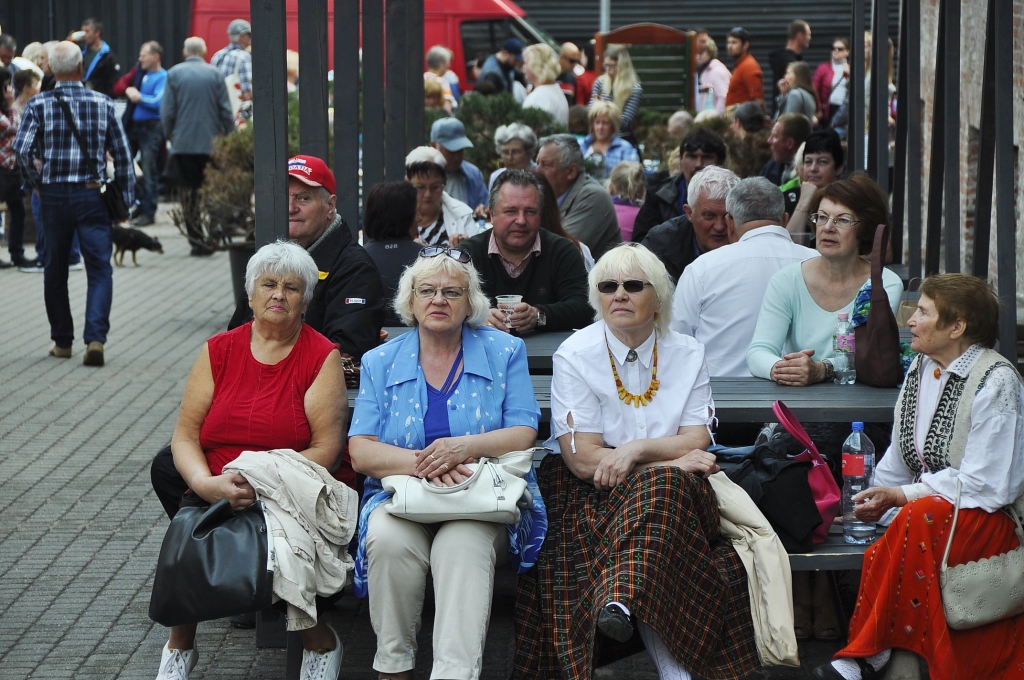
{"points": [[636, 400]]}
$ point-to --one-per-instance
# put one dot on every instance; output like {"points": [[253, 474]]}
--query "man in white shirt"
{"points": [[719, 295]]}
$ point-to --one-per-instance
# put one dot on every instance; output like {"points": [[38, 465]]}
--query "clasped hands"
{"points": [[231, 486], [620, 461], [443, 462], [524, 318], [798, 369]]}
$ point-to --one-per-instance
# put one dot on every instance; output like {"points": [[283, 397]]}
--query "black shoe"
{"points": [[30, 266], [614, 623], [142, 221], [200, 251], [245, 621]]}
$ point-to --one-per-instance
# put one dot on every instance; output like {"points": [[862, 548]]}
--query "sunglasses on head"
{"points": [[630, 286], [694, 147], [454, 253]]}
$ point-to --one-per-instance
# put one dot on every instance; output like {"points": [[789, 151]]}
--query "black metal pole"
{"points": [[346, 111], [878, 139], [900, 175], [910, 111], [270, 118], [855, 129], [414, 74], [395, 90], [951, 136], [933, 237], [986, 156], [313, 67], [373, 93], [1005, 224]]}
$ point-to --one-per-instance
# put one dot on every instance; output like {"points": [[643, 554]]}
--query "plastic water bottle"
{"points": [[858, 464], [843, 350]]}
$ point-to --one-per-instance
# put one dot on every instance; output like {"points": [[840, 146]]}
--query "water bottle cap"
{"points": [[858, 426], [843, 316]]}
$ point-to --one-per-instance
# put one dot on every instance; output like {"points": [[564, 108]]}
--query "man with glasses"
{"points": [[831, 80], [666, 194], [517, 257]]}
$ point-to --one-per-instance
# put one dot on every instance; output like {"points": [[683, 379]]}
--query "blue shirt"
{"points": [[618, 150], [494, 392], [152, 91]]}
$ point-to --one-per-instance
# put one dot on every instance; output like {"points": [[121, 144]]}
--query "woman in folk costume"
{"points": [[959, 426]]}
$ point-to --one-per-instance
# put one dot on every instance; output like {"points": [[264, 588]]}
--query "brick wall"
{"points": [[972, 59]]}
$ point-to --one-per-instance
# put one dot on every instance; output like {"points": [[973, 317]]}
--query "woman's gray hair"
{"points": [[64, 58], [624, 260], [283, 258], [437, 56], [524, 133], [754, 199], [424, 267], [713, 182], [569, 152]]}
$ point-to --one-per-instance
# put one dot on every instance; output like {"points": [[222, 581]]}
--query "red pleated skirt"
{"points": [[900, 602]]}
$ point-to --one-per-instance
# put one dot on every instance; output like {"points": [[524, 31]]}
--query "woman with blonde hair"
{"points": [[619, 84], [540, 66], [627, 184], [603, 146]]}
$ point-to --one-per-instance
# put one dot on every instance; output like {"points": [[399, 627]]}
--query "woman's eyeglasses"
{"points": [[448, 292], [454, 253], [630, 286], [821, 220]]}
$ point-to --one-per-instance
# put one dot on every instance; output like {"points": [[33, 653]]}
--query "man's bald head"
{"points": [[65, 60], [568, 56]]}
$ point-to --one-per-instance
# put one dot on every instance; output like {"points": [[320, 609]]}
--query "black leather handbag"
{"points": [[213, 564]]}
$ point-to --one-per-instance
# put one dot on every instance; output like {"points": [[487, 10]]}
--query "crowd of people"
{"points": [[732, 262]]}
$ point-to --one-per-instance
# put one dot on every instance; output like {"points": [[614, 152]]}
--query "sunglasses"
{"points": [[630, 286], [454, 253], [694, 147]]}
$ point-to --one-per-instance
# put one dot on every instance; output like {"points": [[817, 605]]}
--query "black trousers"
{"points": [[167, 482]]}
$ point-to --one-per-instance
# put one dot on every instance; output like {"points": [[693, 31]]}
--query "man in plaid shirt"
{"points": [[67, 181], [235, 55]]}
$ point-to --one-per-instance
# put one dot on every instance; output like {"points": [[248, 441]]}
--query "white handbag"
{"points": [[991, 589], [494, 493]]}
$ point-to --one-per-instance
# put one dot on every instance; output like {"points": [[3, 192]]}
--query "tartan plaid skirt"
{"points": [[653, 543]]}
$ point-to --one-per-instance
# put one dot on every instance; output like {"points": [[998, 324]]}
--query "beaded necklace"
{"points": [[636, 400]]}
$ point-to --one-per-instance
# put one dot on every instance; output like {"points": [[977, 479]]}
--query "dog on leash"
{"points": [[132, 239]]}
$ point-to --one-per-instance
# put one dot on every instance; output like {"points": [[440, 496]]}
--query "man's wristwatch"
{"points": [[830, 370], [542, 319]]}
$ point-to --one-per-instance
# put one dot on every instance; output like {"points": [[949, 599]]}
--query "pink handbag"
{"points": [[823, 485]]}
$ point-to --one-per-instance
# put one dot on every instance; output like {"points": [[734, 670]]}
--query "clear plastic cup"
{"points": [[507, 305]]}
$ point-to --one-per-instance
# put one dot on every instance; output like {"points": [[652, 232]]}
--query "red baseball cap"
{"points": [[312, 171]]}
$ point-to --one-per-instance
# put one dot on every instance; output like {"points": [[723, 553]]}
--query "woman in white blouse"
{"points": [[959, 423], [540, 66], [633, 543]]}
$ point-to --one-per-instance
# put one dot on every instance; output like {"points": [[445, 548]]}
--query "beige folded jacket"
{"points": [[311, 518], [769, 579]]}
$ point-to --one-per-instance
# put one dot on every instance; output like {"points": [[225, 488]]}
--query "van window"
{"points": [[484, 38]]}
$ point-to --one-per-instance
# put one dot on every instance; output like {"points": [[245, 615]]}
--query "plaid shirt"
{"points": [[45, 134], [8, 128], [227, 58]]}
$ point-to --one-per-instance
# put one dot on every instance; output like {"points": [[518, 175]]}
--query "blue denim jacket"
{"points": [[494, 392]]}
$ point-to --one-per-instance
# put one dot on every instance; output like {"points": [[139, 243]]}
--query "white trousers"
{"points": [[461, 556]]}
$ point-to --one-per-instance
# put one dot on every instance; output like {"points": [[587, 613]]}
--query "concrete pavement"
{"points": [[80, 527]]}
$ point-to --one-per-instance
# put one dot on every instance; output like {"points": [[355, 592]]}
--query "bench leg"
{"points": [[293, 657]]}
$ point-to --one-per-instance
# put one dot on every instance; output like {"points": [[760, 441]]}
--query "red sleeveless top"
{"points": [[257, 407]]}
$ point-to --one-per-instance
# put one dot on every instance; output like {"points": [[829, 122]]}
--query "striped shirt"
{"points": [[45, 134], [632, 104], [232, 55], [8, 129]]}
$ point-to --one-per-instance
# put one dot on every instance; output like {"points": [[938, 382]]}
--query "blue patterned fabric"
{"points": [[861, 306], [494, 392]]}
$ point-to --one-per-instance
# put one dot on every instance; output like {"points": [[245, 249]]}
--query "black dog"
{"points": [[132, 239]]}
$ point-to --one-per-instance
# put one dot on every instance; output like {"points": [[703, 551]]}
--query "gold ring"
{"points": [[432, 457]]}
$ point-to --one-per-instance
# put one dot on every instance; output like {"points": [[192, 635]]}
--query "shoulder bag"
{"points": [[989, 590], [494, 493], [109, 188], [212, 564], [819, 477], [878, 340]]}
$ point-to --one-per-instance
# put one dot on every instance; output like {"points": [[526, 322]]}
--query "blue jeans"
{"points": [[149, 134], [69, 209], [37, 216]]}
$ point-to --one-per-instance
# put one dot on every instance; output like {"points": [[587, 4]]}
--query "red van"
{"points": [[469, 28]]}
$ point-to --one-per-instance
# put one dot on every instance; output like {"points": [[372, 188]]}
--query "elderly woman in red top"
{"points": [[273, 383]]}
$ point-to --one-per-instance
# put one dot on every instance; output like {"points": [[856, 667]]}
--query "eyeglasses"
{"points": [[694, 147], [454, 253], [821, 220], [448, 292], [838, 47], [630, 286]]}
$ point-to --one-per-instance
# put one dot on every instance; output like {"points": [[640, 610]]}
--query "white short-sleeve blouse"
{"points": [[582, 385]]}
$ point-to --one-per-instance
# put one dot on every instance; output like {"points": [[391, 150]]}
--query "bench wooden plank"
{"points": [[834, 553]]}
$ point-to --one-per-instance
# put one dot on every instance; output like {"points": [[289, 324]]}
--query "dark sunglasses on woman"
{"points": [[630, 286], [454, 253]]}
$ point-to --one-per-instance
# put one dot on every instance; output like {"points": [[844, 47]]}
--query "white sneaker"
{"points": [[322, 666], [176, 664]]}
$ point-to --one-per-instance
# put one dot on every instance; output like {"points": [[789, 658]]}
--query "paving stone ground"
{"points": [[80, 527]]}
